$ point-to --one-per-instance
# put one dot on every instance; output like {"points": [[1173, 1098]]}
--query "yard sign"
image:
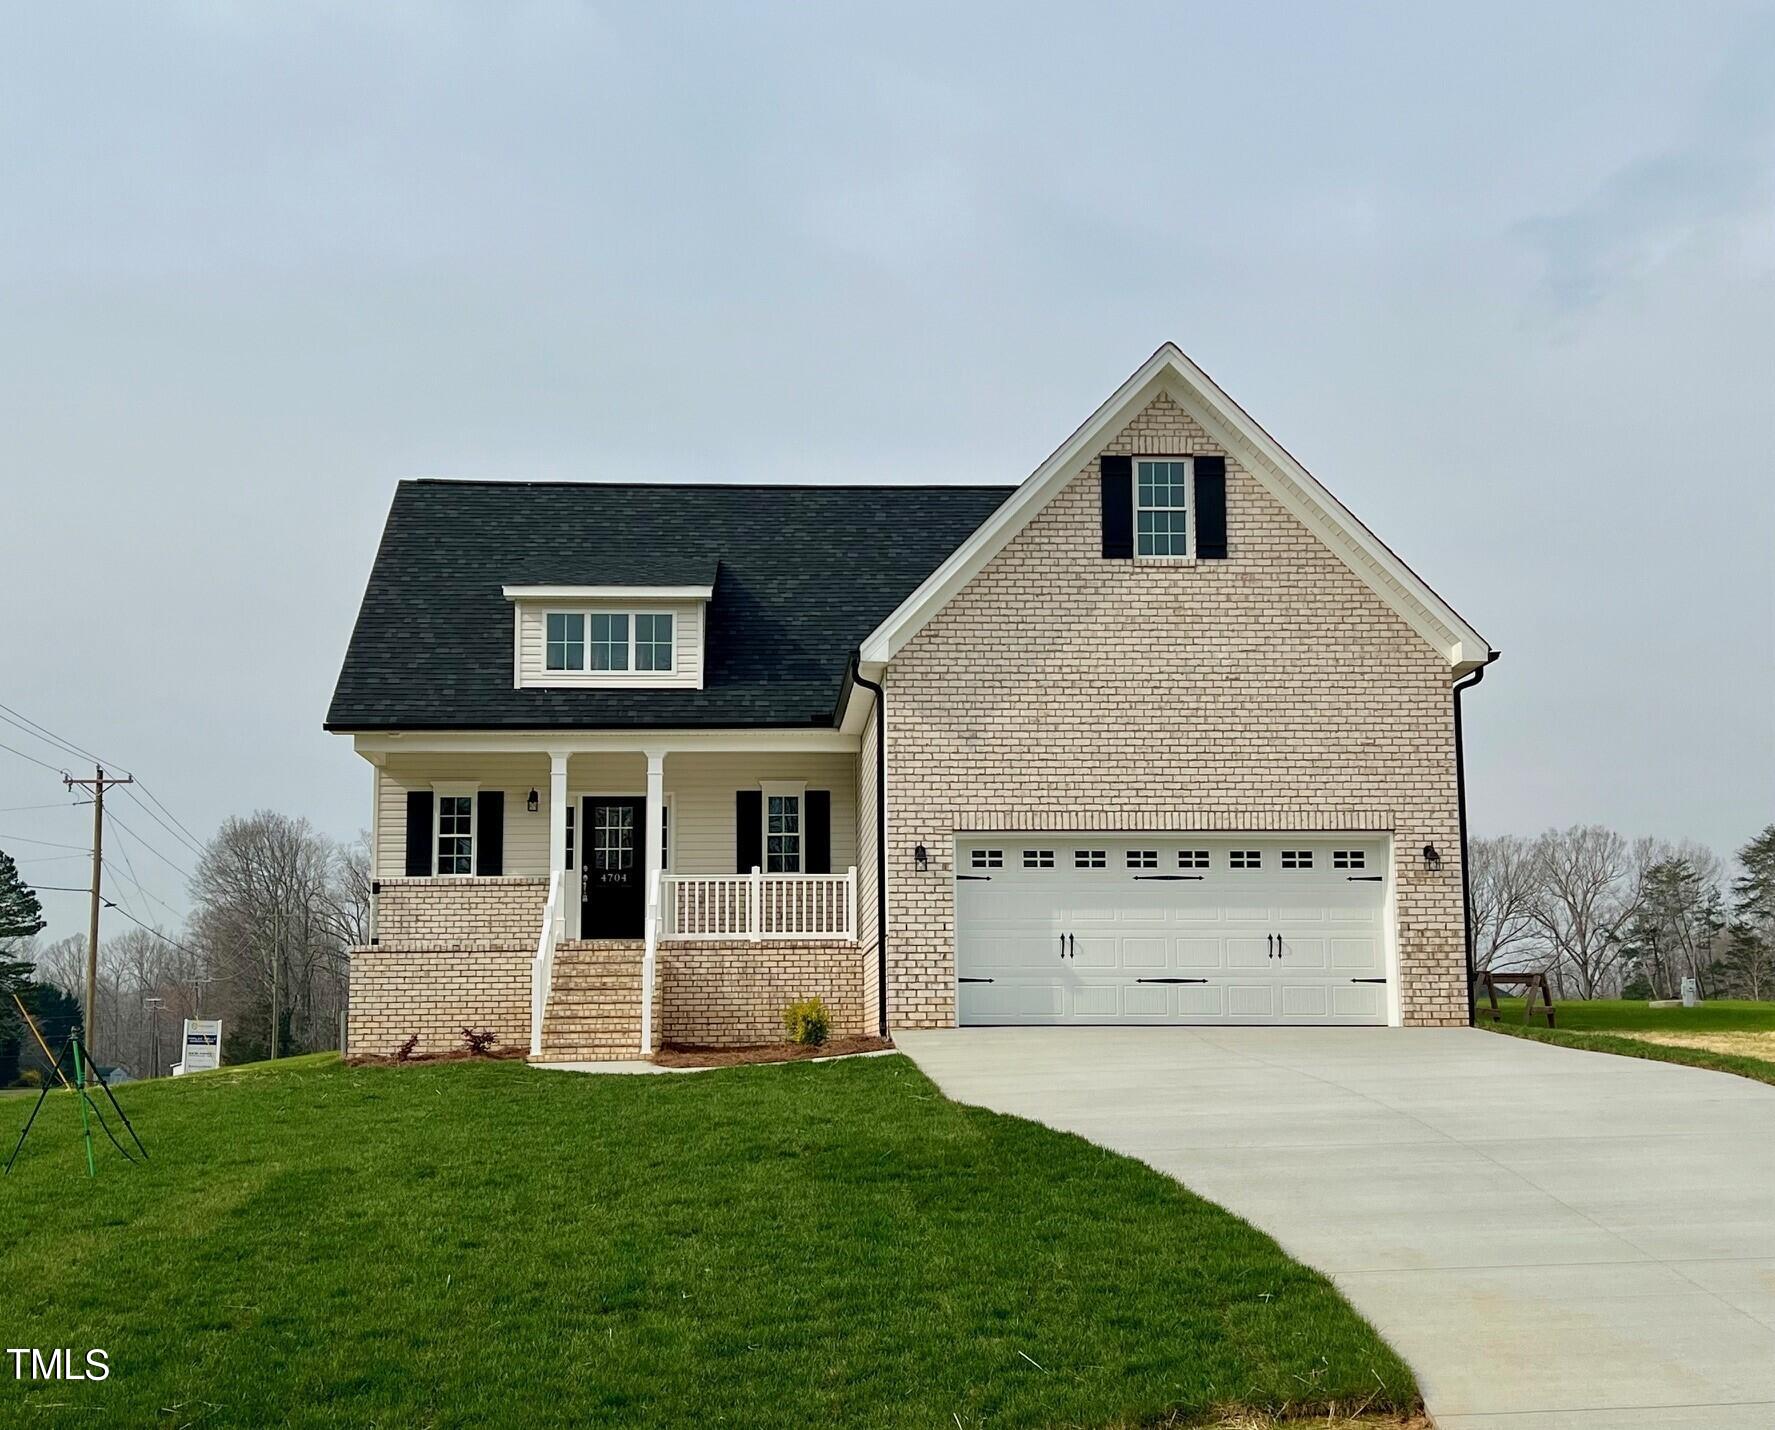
{"points": [[203, 1044]]}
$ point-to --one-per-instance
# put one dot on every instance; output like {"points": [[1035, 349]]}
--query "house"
{"points": [[1163, 734]]}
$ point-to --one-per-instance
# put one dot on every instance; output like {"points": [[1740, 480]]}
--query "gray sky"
{"points": [[1507, 287]]}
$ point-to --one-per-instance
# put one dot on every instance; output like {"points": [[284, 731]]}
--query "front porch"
{"points": [[677, 892]]}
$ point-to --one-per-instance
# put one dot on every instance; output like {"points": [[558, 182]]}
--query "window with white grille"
{"points": [[1192, 858], [1297, 858], [1143, 858], [1089, 859], [1038, 858], [1246, 859], [1349, 859], [988, 859]]}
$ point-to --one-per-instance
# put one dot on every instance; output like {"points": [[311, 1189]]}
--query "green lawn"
{"points": [[486, 1244], [1626, 1015], [1726, 1035]]}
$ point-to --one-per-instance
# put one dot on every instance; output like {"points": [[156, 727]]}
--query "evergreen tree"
{"points": [[21, 918], [1750, 957]]}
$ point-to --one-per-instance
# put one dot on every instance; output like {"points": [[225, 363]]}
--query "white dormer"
{"points": [[608, 637]]}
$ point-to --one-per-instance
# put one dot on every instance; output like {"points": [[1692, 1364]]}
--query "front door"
{"points": [[612, 904]]}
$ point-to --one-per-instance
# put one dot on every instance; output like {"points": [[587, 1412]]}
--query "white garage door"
{"points": [[1171, 929]]}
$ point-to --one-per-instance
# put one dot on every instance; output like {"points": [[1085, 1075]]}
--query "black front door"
{"points": [[613, 832]]}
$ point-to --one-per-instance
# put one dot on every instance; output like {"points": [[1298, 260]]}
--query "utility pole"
{"points": [[98, 785]]}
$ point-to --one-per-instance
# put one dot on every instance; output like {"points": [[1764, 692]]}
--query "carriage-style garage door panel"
{"points": [[1171, 929]]}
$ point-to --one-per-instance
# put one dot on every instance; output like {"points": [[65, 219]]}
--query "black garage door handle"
{"points": [[1170, 878], [1170, 980]]}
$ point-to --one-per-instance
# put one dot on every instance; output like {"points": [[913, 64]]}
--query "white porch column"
{"points": [[558, 815], [656, 805]]}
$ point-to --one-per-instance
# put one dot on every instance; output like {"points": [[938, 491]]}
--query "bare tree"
{"points": [[270, 917], [1674, 932], [1587, 887], [1504, 878]]}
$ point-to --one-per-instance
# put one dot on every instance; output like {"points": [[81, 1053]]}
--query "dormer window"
{"points": [[566, 640], [1161, 506], [587, 637]]}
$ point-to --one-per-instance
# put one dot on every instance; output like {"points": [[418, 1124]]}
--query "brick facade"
{"points": [[1269, 690], [448, 912], [398, 990], [733, 994]]}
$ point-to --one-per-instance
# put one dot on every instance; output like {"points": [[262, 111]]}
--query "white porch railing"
{"points": [[758, 906], [542, 967]]}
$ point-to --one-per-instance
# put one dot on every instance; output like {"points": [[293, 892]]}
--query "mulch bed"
{"points": [[454, 1055], [683, 1055]]}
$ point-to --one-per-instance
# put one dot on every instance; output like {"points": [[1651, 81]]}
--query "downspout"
{"points": [[880, 835], [1462, 686]]}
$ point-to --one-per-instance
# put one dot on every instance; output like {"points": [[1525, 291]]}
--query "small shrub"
{"points": [[405, 1052], [807, 1022], [30, 1077], [478, 1041]]}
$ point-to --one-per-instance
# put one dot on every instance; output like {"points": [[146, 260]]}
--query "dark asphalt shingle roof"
{"points": [[801, 576]]}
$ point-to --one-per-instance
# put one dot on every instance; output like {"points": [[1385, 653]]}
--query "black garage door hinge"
{"points": [[1368, 980], [1363, 878], [980, 878], [1170, 878], [973, 980], [1170, 980]]}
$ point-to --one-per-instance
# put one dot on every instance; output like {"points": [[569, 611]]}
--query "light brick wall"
{"points": [[868, 928], [733, 994], [447, 912], [401, 989], [1270, 690]]}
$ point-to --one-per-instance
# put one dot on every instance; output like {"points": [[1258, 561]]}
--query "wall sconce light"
{"points": [[531, 803], [1432, 860], [921, 857]]}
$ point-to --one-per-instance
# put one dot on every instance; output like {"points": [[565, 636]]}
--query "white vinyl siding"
{"points": [[643, 637], [699, 790]]}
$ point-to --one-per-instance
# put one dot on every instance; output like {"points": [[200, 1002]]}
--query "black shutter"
{"points": [[1211, 507], [819, 832], [748, 830], [1118, 507], [418, 833], [490, 832]]}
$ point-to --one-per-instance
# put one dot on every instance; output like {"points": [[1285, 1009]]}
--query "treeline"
{"points": [[274, 908], [1608, 917]]}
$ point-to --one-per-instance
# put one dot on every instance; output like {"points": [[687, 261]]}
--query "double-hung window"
{"points": [[610, 642], [566, 640], [455, 841], [653, 641], [782, 833], [1161, 506]]}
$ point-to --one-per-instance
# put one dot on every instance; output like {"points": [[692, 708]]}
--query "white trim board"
{"points": [[1168, 370]]}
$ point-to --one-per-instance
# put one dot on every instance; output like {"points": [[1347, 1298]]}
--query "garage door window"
{"points": [[1246, 859], [1143, 858], [988, 859], [1089, 859], [1192, 858], [1348, 859], [1038, 858], [1297, 858]]}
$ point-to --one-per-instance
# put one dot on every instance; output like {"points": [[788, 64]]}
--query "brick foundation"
{"points": [[452, 912], [398, 990], [727, 995]]}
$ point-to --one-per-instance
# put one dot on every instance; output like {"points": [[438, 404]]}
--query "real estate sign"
{"points": [[203, 1045]]}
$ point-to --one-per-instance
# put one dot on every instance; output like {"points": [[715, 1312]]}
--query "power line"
{"points": [[142, 888], [115, 874], [33, 759], [43, 732], [57, 889], [60, 804], [193, 845], [196, 843], [146, 845], [51, 843]]}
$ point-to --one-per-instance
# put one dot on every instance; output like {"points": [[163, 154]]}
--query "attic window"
{"points": [[609, 641], [566, 641], [1161, 506]]}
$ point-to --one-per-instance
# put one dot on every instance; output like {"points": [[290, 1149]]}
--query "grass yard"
{"points": [[475, 1244], [1726, 1035]]}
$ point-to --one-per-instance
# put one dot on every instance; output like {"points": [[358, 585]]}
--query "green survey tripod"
{"points": [[75, 1051]]}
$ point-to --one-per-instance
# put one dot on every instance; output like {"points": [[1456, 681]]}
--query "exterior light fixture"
{"points": [[921, 857], [531, 803], [1432, 860]]}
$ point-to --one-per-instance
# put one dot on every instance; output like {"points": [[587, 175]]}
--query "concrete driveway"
{"points": [[1549, 1237]]}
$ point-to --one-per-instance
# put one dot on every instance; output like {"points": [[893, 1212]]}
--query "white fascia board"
{"points": [[814, 740], [607, 593], [1266, 459]]}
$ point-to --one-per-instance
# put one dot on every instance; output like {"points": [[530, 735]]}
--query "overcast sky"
{"points": [[1506, 283]]}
